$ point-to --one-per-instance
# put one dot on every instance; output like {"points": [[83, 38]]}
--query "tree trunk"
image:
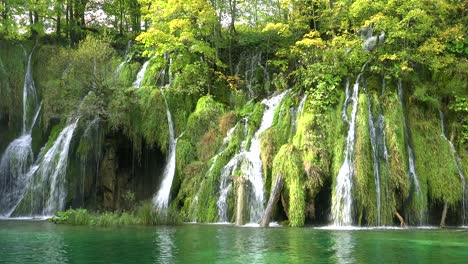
{"points": [[240, 202], [121, 22], [444, 215], [274, 197], [233, 14], [59, 26], [67, 20], [402, 221]]}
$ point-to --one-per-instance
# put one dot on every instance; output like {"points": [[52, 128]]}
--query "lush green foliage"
{"points": [[145, 214]]}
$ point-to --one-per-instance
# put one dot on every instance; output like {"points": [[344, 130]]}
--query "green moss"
{"points": [[320, 137], [128, 74], [205, 116], [203, 138], [435, 165], [364, 189], [254, 121], [273, 138], [154, 126], [386, 197], [288, 163], [207, 210], [12, 70], [398, 181], [53, 136], [336, 141]]}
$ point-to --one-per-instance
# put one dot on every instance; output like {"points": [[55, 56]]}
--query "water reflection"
{"points": [[242, 243], [43, 242], [343, 247], [165, 248], [46, 246]]}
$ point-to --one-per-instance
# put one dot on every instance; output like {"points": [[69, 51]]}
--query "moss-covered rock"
{"points": [[435, 163], [274, 137], [289, 164], [364, 191], [398, 180]]}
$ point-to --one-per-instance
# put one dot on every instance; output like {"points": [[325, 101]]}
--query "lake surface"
{"points": [[44, 242]]}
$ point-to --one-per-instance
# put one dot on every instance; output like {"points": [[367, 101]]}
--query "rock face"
{"points": [[124, 178], [109, 177]]}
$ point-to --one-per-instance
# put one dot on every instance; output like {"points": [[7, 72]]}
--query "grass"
{"points": [[145, 214]]}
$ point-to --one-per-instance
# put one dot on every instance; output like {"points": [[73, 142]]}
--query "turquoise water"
{"points": [[44, 242]]}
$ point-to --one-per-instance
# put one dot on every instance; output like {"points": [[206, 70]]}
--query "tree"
{"points": [[181, 34]]}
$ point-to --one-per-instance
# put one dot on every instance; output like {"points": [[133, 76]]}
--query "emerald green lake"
{"points": [[44, 242]]}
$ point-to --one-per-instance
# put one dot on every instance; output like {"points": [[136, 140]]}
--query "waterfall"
{"points": [[344, 114], [253, 170], [250, 164], [375, 156], [18, 156], [250, 64], [125, 60], [29, 98], [225, 184], [46, 178], [161, 199], [13, 170], [384, 85], [412, 168], [298, 113], [170, 71], [382, 153], [53, 169], [225, 187], [342, 200], [300, 108], [141, 75], [459, 167]]}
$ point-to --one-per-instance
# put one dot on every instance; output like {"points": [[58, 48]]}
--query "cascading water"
{"points": [[225, 184], [13, 170], [141, 75], [125, 60], [459, 167], [51, 171], [342, 200], [300, 108], [30, 101], [382, 143], [383, 150], [375, 157], [412, 168], [250, 63], [19, 156], [161, 199], [298, 113], [166, 71], [251, 166]]}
